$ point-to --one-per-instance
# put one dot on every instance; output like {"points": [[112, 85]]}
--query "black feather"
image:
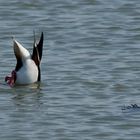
{"points": [[19, 64], [37, 54]]}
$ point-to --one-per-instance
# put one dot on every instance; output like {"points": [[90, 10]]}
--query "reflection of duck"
{"points": [[27, 69], [132, 106]]}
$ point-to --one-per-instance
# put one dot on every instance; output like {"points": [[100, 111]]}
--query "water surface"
{"points": [[90, 69]]}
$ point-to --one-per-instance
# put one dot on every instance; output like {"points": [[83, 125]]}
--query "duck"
{"points": [[27, 69]]}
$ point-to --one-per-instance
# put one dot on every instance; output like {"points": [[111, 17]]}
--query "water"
{"points": [[90, 69]]}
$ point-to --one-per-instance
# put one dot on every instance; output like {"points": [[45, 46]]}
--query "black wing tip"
{"points": [[40, 43], [38, 49], [40, 46], [42, 34], [37, 53]]}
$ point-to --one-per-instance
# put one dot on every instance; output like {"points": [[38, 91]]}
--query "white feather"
{"points": [[19, 49], [28, 73]]}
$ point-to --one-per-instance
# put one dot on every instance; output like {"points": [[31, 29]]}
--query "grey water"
{"points": [[90, 69]]}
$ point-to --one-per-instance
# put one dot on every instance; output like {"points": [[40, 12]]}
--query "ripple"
{"points": [[90, 69]]}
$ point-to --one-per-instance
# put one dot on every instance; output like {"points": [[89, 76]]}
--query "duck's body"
{"points": [[28, 73], [27, 69]]}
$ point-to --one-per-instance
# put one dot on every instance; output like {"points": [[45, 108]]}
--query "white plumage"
{"points": [[28, 73], [27, 69]]}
